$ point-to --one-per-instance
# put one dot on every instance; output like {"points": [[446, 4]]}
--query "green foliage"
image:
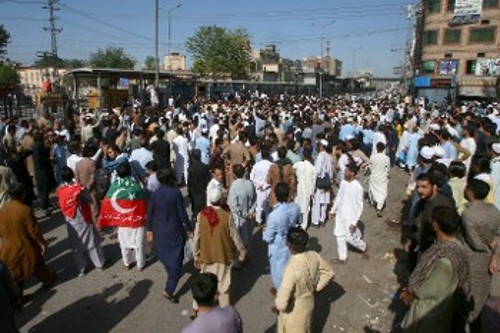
{"points": [[4, 40], [44, 62], [111, 57], [150, 63], [76, 63], [61, 63], [8, 76], [290, 68], [218, 51]]}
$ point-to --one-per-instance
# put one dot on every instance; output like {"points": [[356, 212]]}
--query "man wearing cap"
{"points": [[215, 242], [425, 162]]}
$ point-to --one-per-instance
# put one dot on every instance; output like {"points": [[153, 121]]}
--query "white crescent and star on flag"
{"points": [[119, 208]]}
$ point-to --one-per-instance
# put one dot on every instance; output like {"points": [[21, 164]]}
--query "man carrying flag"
{"points": [[124, 207]]}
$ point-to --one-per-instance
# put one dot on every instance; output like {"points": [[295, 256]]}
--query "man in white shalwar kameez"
{"points": [[258, 176], [379, 178], [321, 200], [215, 185], [306, 184], [181, 144], [347, 210]]}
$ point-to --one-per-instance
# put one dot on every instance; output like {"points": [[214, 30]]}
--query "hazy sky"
{"points": [[361, 32]]}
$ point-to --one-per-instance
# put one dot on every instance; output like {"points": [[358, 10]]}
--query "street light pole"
{"points": [[170, 31], [321, 70], [157, 60]]}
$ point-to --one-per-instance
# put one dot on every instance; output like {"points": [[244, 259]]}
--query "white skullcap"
{"points": [[496, 147], [214, 195], [439, 151], [427, 152], [324, 142], [349, 137]]}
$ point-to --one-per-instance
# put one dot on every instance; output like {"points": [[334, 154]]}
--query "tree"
{"points": [[149, 63], [218, 51], [4, 40], [76, 63], [48, 61], [290, 69], [8, 76], [111, 57], [44, 62]]}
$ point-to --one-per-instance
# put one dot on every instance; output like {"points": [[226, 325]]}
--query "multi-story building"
{"points": [[175, 62], [328, 65], [31, 78], [457, 49], [266, 64]]}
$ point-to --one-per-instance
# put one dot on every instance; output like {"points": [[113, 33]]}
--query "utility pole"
{"points": [[157, 60], [52, 7], [169, 67], [321, 69], [353, 49]]}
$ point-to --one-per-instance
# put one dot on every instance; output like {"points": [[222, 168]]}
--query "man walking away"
{"points": [[347, 210]]}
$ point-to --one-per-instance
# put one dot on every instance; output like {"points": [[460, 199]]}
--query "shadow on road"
{"points": [[245, 279], [96, 313]]}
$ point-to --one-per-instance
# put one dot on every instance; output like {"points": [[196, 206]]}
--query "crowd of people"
{"points": [[270, 167]]}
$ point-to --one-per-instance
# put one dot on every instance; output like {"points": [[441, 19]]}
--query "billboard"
{"points": [[467, 11], [488, 67], [448, 67]]}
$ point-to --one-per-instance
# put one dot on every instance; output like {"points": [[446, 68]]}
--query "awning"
{"points": [[476, 91]]}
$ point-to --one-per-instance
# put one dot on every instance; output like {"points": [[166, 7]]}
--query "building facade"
{"points": [[175, 62], [31, 78], [266, 64], [457, 49]]}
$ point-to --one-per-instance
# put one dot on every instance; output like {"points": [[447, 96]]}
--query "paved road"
{"points": [[361, 298]]}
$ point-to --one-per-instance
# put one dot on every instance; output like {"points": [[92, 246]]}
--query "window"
{"points": [[452, 36], [430, 37], [481, 35], [470, 67], [490, 3], [428, 67], [434, 6], [451, 5], [481, 55]]}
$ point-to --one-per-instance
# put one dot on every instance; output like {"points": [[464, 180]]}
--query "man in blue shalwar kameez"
{"points": [[284, 216]]}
